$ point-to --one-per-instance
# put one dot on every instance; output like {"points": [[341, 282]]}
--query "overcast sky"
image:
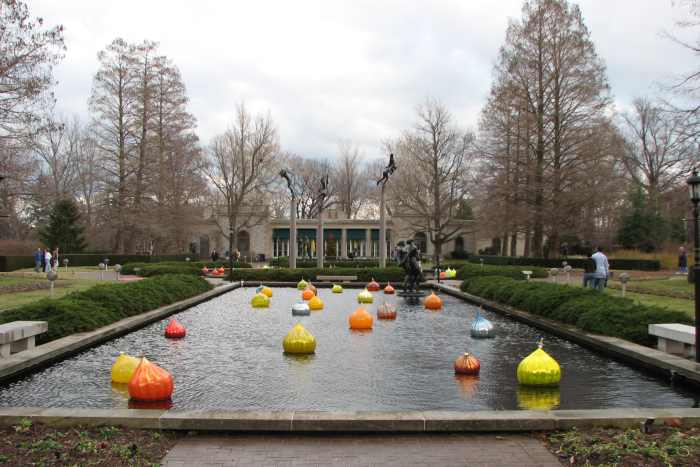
{"points": [[353, 70]]}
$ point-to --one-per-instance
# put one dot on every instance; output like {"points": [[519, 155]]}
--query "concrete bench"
{"points": [[336, 278], [19, 335], [674, 338]]}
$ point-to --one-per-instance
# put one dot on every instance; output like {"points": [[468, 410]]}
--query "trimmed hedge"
{"points": [[180, 267], [586, 309], [623, 264], [13, 263], [104, 304], [466, 271], [393, 274], [283, 262]]}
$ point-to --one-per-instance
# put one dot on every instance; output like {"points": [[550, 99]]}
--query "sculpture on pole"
{"points": [[287, 175], [388, 170], [322, 194]]}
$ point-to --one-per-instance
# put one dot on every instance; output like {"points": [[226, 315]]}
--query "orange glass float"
{"points": [[360, 319], [150, 383], [443, 275], [433, 302], [467, 364], [175, 330], [307, 294], [373, 286], [389, 289]]}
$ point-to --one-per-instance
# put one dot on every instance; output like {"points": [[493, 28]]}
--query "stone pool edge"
{"points": [[42, 355], [653, 360], [353, 422]]}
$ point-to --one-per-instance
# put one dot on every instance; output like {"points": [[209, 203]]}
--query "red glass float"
{"points": [[205, 270], [386, 311], [433, 302], [373, 286], [307, 294], [175, 330], [443, 275], [467, 364], [150, 383], [360, 319], [389, 289]]}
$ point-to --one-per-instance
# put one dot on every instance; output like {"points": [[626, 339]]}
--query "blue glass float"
{"points": [[481, 327], [300, 309]]}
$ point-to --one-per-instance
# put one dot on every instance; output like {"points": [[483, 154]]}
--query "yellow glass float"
{"points": [[302, 284], [266, 291], [337, 288], [299, 341], [450, 273], [123, 368], [316, 303], [260, 301], [539, 369], [534, 398], [365, 297]]}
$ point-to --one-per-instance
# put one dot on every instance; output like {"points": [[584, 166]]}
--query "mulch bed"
{"points": [[37, 444], [661, 446]]}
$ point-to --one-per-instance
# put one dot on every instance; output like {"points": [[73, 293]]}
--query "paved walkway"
{"points": [[361, 450]]}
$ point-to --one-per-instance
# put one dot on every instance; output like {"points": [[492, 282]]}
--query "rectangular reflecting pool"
{"points": [[232, 358]]}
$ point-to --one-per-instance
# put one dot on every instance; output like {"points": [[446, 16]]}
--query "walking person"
{"points": [[38, 260], [47, 261], [602, 269], [589, 268], [682, 261]]}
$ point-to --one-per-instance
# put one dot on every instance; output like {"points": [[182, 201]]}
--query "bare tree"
{"points": [[348, 180], [241, 162], [438, 156], [658, 154]]}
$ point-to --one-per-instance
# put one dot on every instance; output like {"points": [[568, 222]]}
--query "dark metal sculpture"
{"points": [[388, 170], [288, 176], [409, 259]]}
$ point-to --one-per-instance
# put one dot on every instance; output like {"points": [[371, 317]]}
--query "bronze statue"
{"points": [[409, 259], [388, 170]]}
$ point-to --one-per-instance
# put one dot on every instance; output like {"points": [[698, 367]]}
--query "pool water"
{"points": [[232, 358]]}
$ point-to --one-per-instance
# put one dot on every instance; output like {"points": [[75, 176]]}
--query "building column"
{"points": [[344, 244], [368, 243]]}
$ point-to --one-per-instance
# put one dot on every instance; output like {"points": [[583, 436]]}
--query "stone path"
{"points": [[360, 450]]}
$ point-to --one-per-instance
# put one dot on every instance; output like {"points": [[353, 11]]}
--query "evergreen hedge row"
{"points": [[466, 271], [623, 264], [176, 267], [105, 304], [392, 274], [586, 309], [283, 262]]}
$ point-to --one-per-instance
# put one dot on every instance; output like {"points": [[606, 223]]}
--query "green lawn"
{"points": [[680, 304], [63, 287]]}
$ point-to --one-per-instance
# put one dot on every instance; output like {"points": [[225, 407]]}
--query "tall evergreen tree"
{"points": [[63, 229]]}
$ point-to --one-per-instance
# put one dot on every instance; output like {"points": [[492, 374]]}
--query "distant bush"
{"points": [[175, 267], [459, 254], [393, 274], [283, 262], [586, 309], [515, 272], [104, 304], [622, 263]]}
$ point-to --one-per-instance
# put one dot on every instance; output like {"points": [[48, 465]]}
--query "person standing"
{"points": [[214, 255], [47, 261], [589, 268], [682, 261], [38, 260], [602, 269]]}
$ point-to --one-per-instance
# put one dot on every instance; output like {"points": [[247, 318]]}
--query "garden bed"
{"points": [[28, 443], [662, 446]]}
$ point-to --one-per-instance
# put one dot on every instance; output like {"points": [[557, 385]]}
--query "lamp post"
{"points": [[694, 185], [230, 251], [320, 247]]}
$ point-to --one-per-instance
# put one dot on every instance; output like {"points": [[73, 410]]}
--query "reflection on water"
{"points": [[538, 398], [232, 358]]}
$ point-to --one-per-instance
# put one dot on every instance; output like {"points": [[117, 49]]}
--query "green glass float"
{"points": [[337, 288], [539, 369], [260, 300], [302, 284], [365, 297]]}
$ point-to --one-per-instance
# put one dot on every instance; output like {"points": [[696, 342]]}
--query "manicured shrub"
{"points": [[283, 262], [515, 272], [587, 309], [104, 304], [621, 263], [176, 267], [393, 274]]}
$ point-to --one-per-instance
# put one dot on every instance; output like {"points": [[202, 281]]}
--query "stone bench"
{"points": [[336, 278], [674, 338], [19, 335]]}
